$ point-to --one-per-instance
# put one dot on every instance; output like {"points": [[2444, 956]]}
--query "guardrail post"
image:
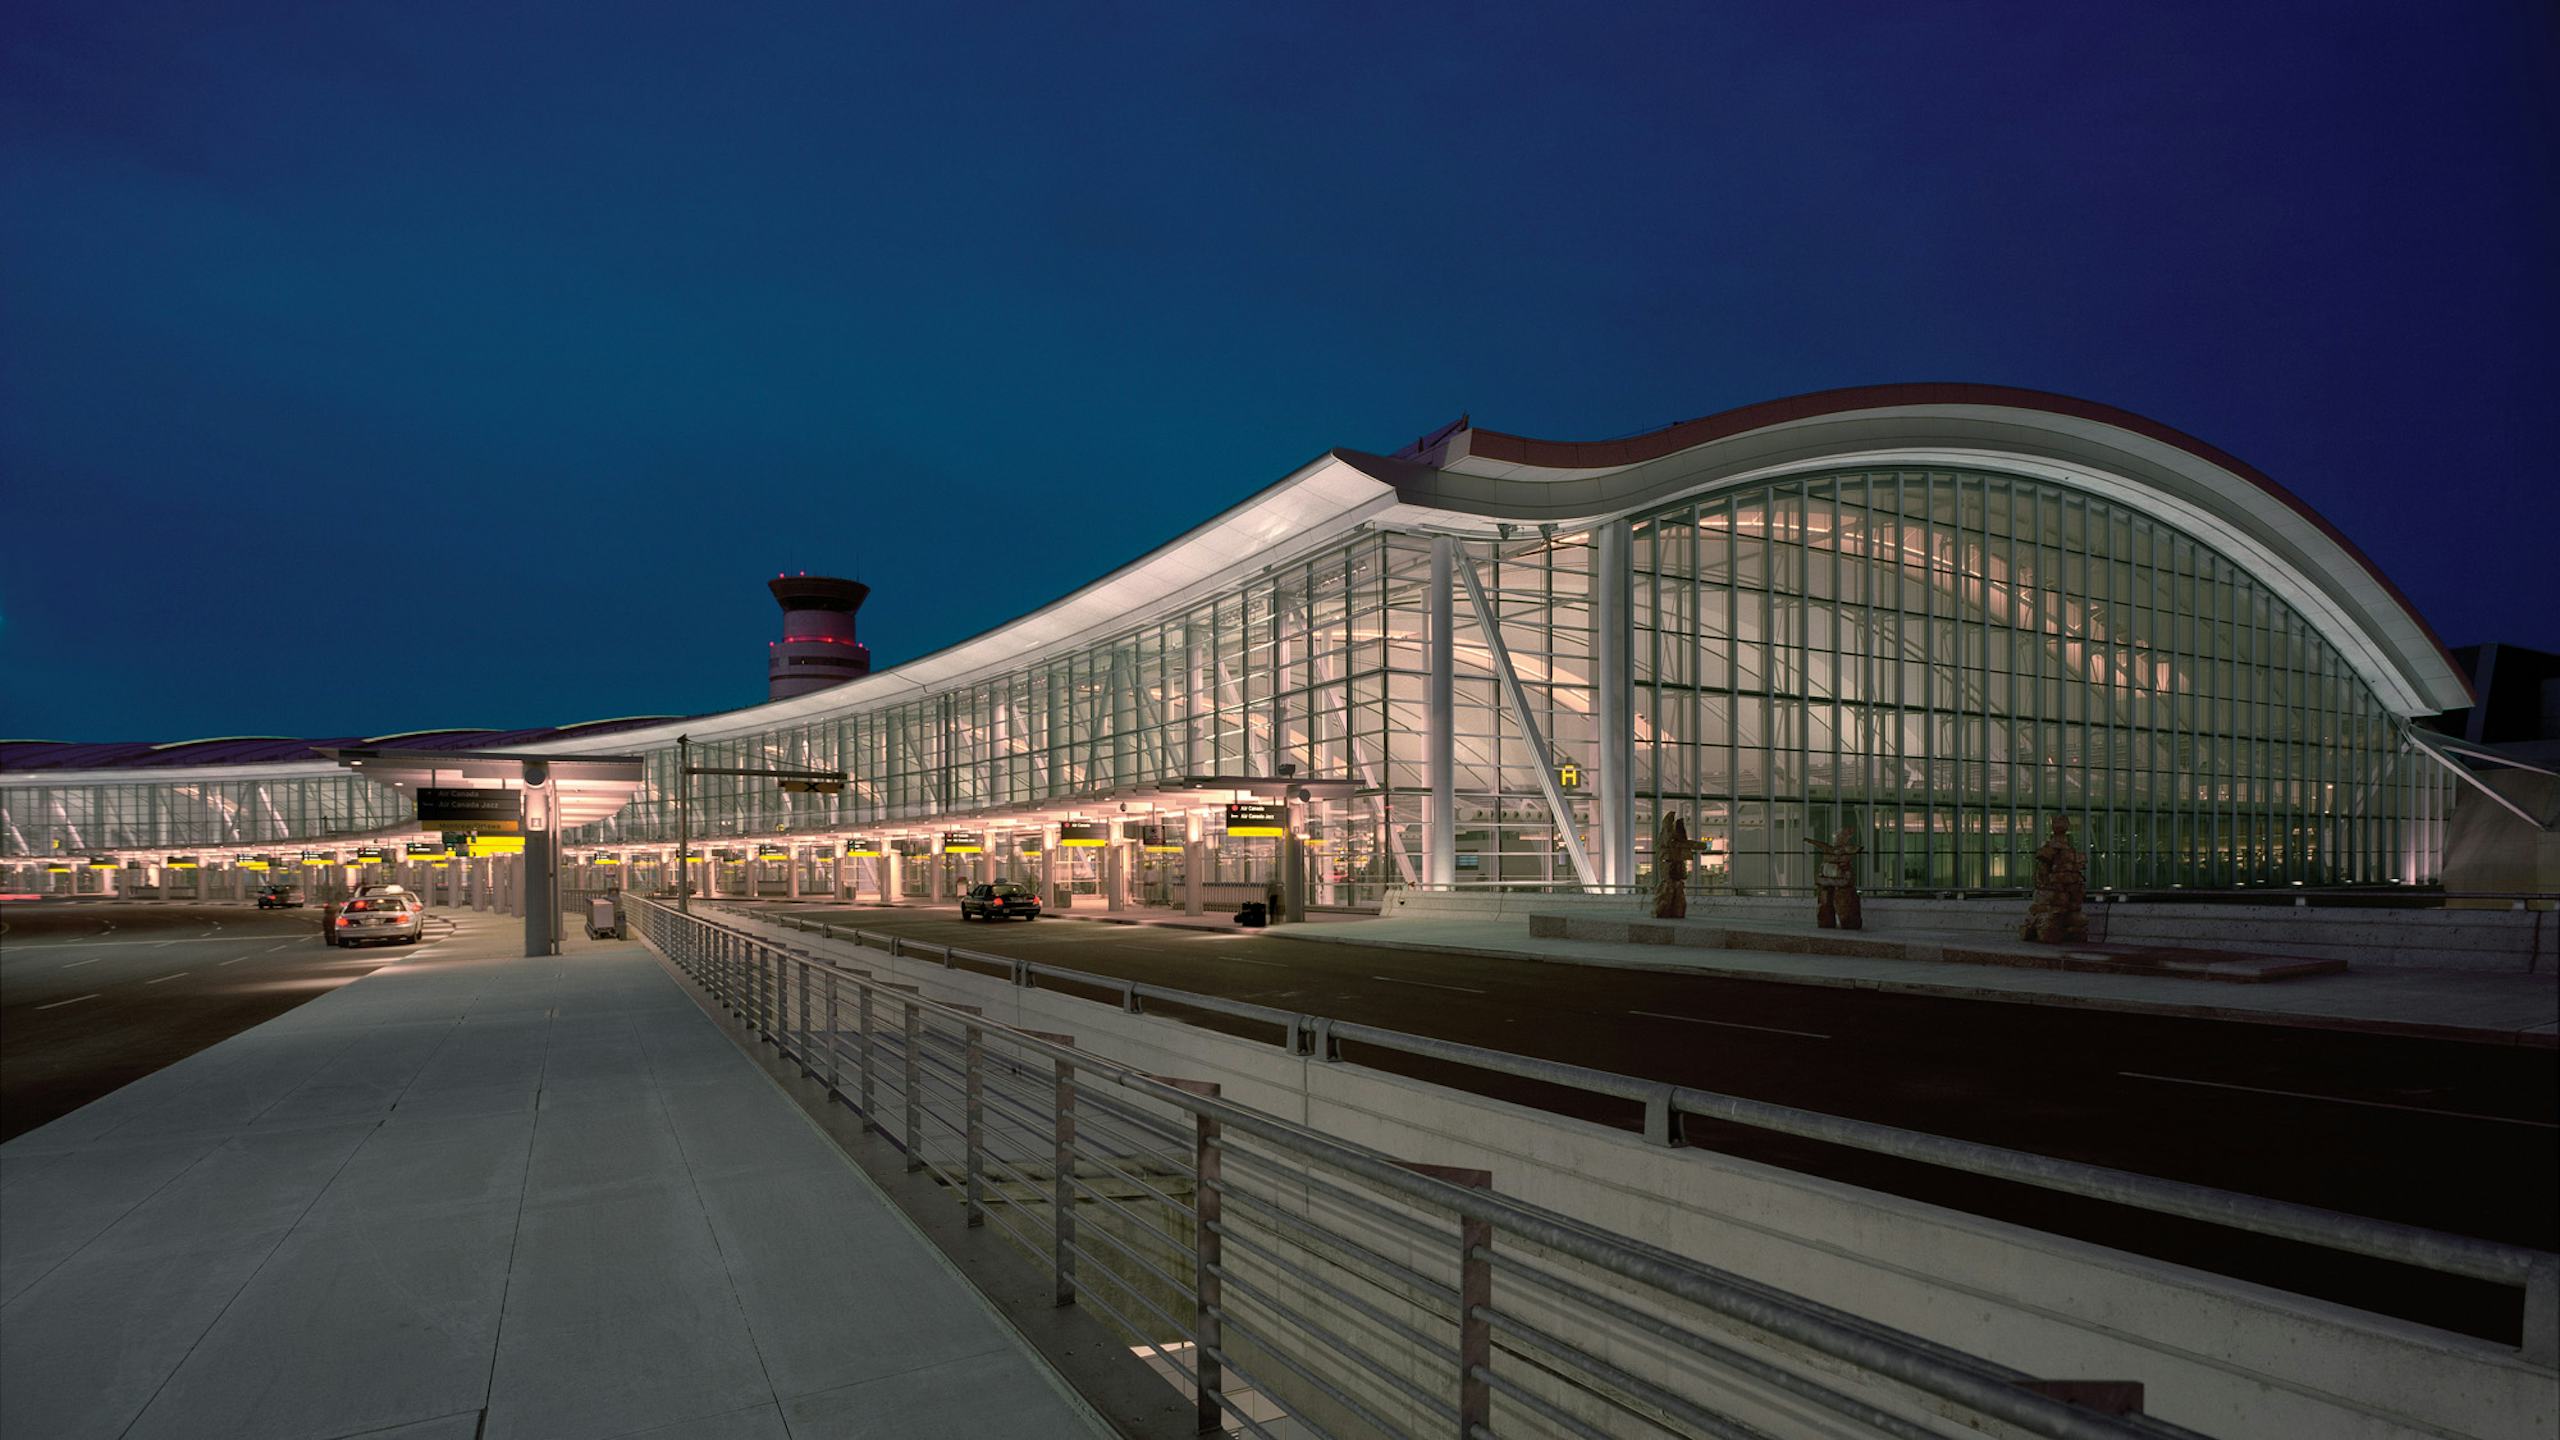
{"points": [[1208, 1300], [915, 1088], [1062, 1198], [1658, 1120], [2541, 1344], [862, 1053], [1475, 1301], [974, 1123], [1129, 997], [806, 1034], [835, 1044]]}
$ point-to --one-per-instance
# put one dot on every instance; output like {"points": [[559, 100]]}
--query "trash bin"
{"points": [[601, 921]]}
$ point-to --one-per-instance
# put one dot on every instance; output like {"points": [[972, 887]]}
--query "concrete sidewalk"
{"points": [[2432, 1004], [465, 1199]]}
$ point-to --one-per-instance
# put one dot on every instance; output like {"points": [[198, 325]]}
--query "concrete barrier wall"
{"points": [[2221, 1356], [2488, 940]]}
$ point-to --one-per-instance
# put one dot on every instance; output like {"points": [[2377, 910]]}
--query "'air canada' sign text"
{"points": [[485, 812], [1257, 817], [962, 842], [863, 847], [1083, 834]]}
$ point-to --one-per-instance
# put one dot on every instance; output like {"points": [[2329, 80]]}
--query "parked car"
{"points": [[370, 918], [368, 892], [1000, 902], [280, 897]]}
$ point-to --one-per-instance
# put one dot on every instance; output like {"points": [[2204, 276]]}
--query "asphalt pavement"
{"points": [[97, 994], [2451, 1136]]}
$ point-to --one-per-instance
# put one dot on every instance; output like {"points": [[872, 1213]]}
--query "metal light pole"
{"points": [[684, 825]]}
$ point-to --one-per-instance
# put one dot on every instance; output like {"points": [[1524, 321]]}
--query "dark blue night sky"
{"points": [[374, 366]]}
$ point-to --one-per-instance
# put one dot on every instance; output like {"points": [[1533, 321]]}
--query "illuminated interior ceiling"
{"points": [[589, 787]]}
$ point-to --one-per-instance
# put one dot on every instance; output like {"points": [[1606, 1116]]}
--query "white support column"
{"points": [[1195, 855], [1439, 722], [796, 860], [1613, 699], [1115, 876]]}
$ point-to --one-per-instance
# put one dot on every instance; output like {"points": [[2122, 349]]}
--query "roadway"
{"points": [[2457, 1137], [97, 994]]}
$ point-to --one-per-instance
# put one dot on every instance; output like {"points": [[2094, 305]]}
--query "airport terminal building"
{"points": [[1936, 614]]}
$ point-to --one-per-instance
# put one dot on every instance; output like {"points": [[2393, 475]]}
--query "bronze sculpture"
{"points": [[1671, 868], [2062, 883], [1835, 880]]}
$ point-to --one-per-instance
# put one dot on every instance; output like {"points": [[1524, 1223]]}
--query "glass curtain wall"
{"points": [[158, 813], [1944, 661]]}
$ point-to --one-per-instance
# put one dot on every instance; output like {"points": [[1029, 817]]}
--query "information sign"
{"points": [[864, 847], [1161, 839], [104, 862], [486, 812], [182, 862], [368, 854], [963, 842], [1083, 834], [489, 844], [426, 849], [1257, 817]]}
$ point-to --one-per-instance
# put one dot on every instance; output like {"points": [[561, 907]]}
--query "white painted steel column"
{"points": [[1439, 725], [795, 872], [1194, 854], [1613, 699]]}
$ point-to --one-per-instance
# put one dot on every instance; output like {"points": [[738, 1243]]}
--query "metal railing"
{"points": [[1259, 1261], [2536, 1273]]}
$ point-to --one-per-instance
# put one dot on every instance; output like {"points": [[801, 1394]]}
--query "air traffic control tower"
{"points": [[817, 648]]}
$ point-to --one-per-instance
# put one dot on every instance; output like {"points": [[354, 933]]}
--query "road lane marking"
{"points": [[168, 977], [2341, 1100], [74, 1000], [1429, 984], [1273, 964], [76, 964], [1732, 1024], [234, 960], [270, 950]]}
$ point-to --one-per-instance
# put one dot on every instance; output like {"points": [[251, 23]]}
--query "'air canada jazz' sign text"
{"points": [[485, 812], [1257, 817]]}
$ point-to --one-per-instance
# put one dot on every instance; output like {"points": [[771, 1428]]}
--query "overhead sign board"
{"points": [[368, 854], [1083, 834], [318, 857], [485, 812], [963, 842], [773, 852], [864, 847], [1031, 843], [181, 862], [604, 857], [813, 787], [1161, 839], [1257, 817], [489, 844], [911, 847], [426, 849], [105, 862]]}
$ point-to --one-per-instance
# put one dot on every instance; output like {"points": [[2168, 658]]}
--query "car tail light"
{"points": [[342, 919]]}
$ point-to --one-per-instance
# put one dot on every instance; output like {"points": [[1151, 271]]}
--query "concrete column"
{"points": [[541, 875], [1439, 722], [1115, 876], [1293, 871], [892, 878], [1613, 701], [795, 873], [1195, 859]]}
